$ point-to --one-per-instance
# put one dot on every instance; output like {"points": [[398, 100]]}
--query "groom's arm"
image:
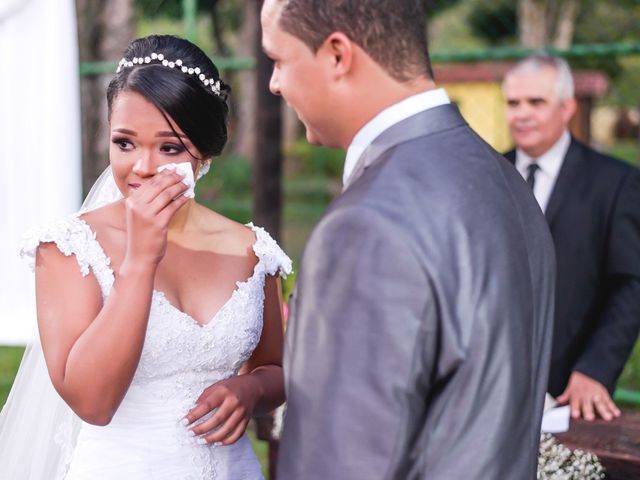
{"points": [[360, 351]]}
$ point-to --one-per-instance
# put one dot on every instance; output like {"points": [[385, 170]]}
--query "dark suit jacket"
{"points": [[594, 218], [417, 345]]}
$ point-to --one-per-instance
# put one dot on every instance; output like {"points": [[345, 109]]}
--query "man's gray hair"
{"points": [[564, 86]]}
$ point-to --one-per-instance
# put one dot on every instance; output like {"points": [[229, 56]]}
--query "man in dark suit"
{"points": [[592, 204], [417, 343]]}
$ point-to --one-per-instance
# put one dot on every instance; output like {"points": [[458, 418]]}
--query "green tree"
{"points": [[494, 20], [225, 16]]}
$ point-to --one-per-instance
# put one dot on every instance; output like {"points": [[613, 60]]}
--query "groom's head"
{"points": [[391, 32], [333, 58]]}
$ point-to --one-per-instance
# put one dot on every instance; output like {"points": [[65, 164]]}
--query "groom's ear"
{"points": [[339, 49]]}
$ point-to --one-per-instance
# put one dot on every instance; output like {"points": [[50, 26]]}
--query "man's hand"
{"points": [[587, 397]]}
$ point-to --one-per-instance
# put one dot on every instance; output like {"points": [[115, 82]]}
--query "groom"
{"points": [[419, 340]]}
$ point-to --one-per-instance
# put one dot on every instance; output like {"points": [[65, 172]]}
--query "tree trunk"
{"points": [[532, 23], [104, 30], [546, 22], [244, 134], [217, 31], [267, 173], [565, 23], [267, 198]]}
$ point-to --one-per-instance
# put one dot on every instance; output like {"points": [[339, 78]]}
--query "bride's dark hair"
{"points": [[199, 112]]}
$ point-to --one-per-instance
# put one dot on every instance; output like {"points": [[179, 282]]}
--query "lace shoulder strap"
{"points": [[72, 236], [270, 254]]}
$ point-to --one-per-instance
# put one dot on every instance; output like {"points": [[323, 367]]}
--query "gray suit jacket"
{"points": [[418, 346]]}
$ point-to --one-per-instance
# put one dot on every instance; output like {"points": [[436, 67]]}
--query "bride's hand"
{"points": [[149, 210], [233, 400]]}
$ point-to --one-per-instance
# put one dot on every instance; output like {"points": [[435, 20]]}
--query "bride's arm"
{"points": [[265, 365], [92, 350], [258, 389]]}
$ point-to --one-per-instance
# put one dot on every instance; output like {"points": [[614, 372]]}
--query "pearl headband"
{"points": [[211, 83]]}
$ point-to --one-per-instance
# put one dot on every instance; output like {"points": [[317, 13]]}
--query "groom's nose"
{"points": [[274, 82]]}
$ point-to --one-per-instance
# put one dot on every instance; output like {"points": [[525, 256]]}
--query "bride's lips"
{"points": [[135, 186]]}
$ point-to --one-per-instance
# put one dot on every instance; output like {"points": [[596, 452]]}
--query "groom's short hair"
{"points": [[392, 32]]}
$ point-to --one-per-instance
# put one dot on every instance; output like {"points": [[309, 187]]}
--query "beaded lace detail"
{"points": [[72, 236], [180, 357]]}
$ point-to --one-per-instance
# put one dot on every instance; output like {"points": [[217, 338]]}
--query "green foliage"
{"points": [[229, 10], [624, 89], [10, 358], [605, 22], [288, 285], [434, 7], [630, 378], [230, 174], [313, 171], [315, 160], [494, 20], [227, 187], [170, 8], [630, 153], [161, 8], [167, 26], [449, 30]]}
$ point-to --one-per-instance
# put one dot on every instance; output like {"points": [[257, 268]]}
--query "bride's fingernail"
{"points": [[191, 433], [217, 444], [201, 441], [184, 422]]}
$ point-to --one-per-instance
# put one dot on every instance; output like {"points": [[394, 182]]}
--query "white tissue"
{"points": [[556, 420], [186, 169]]}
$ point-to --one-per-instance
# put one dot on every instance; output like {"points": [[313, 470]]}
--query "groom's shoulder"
{"points": [[432, 168]]}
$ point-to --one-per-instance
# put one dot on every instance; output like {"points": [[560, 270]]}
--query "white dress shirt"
{"points": [[550, 163], [387, 118]]}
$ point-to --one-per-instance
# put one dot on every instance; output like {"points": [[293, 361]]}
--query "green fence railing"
{"points": [[190, 18], [514, 53], [501, 53]]}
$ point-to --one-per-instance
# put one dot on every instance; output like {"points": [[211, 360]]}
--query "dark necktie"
{"points": [[531, 174]]}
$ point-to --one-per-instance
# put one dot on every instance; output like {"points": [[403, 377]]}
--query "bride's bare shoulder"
{"points": [[234, 234], [108, 217]]}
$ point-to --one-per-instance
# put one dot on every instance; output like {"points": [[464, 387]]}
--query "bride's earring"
{"points": [[204, 168]]}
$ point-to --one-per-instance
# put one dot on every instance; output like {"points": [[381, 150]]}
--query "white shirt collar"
{"points": [[550, 163], [387, 118]]}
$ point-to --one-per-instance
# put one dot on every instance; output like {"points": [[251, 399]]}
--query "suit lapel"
{"points": [[421, 124], [511, 156], [564, 182]]}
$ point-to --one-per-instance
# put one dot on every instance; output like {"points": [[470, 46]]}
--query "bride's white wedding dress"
{"points": [[180, 358]]}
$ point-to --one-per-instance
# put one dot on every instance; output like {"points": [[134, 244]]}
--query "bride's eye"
{"points": [[123, 143], [172, 149]]}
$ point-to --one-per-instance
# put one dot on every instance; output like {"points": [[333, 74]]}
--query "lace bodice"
{"points": [[180, 357]]}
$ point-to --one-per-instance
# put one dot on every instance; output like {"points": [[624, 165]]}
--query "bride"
{"points": [[160, 320]]}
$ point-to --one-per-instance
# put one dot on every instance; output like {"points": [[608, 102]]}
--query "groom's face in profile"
{"points": [[298, 75]]}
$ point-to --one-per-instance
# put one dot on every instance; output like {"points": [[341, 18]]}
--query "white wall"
{"points": [[40, 167]]}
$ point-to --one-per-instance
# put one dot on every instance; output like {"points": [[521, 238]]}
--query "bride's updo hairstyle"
{"points": [[182, 82]]}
